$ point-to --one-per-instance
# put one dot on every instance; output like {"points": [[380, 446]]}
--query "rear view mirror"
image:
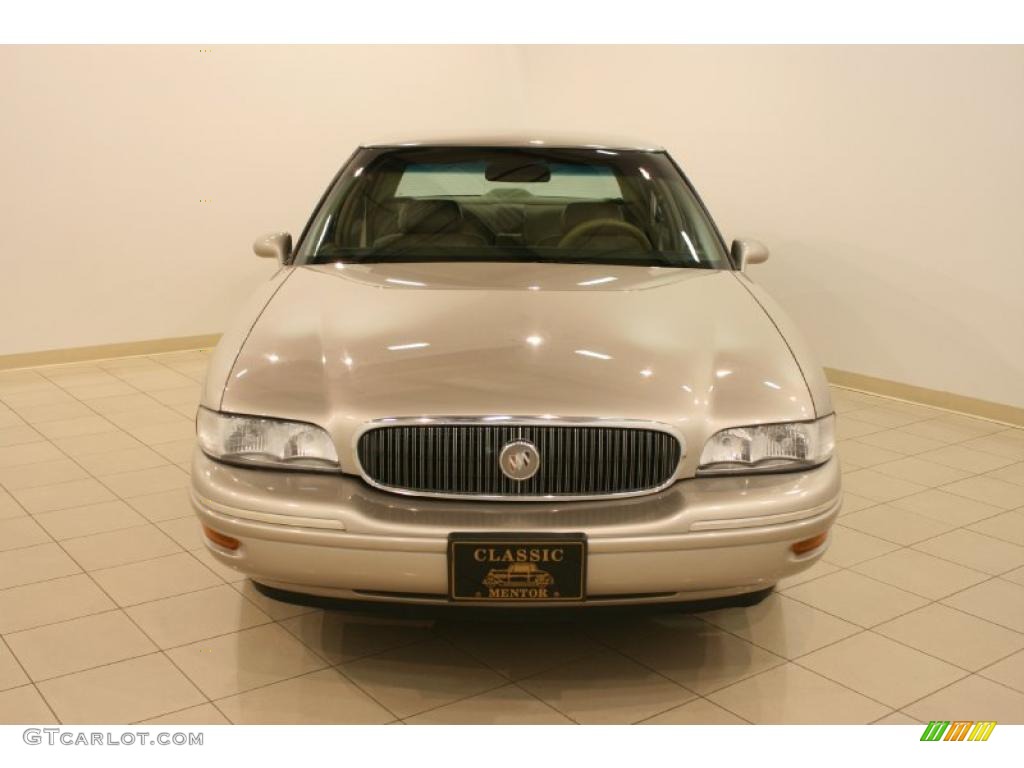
{"points": [[746, 252], [520, 169], [276, 245]]}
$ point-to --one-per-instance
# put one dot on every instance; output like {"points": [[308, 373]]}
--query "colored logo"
{"points": [[958, 730]]}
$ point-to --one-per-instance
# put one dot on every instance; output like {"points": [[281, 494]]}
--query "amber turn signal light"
{"points": [[807, 545], [221, 540]]}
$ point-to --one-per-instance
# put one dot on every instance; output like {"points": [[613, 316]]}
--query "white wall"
{"points": [[106, 153], [888, 182]]}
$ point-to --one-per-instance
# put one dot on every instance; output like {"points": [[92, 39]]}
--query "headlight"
{"points": [[769, 447], [266, 442]]}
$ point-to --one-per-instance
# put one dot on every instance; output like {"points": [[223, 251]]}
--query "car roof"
{"points": [[539, 139]]}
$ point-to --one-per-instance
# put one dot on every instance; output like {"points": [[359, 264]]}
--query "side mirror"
{"points": [[276, 245], [746, 252]]}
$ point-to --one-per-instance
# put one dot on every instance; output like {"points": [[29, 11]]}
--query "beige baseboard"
{"points": [[104, 351], [972, 406]]}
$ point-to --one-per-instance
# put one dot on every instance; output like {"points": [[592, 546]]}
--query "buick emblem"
{"points": [[519, 460]]}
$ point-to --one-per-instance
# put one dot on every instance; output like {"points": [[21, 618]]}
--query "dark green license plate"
{"points": [[494, 567]]}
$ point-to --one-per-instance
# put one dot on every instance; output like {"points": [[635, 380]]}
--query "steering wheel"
{"points": [[587, 229]]}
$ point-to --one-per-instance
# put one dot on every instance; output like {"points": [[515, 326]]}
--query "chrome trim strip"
{"points": [[516, 421]]}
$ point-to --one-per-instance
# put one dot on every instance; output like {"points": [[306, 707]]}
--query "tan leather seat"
{"points": [[543, 225], [431, 223]]}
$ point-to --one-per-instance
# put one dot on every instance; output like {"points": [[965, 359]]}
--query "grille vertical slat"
{"points": [[462, 459]]}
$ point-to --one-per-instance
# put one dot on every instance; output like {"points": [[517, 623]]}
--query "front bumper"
{"points": [[333, 535]]}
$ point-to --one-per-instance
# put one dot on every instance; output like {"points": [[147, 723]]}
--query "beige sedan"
{"points": [[514, 372]]}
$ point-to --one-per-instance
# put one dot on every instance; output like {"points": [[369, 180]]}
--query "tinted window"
{"points": [[497, 204], [572, 180]]}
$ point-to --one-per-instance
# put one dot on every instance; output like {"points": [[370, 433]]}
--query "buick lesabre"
{"points": [[514, 372]]}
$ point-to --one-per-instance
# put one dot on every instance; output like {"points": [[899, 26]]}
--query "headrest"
{"points": [[577, 213], [429, 216]]}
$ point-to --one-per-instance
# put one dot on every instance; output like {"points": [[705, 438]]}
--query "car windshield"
{"points": [[569, 206]]}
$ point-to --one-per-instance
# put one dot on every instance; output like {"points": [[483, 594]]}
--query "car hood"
{"points": [[339, 345]]}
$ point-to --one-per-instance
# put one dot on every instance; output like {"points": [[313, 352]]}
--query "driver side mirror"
{"points": [[276, 245], [746, 252]]}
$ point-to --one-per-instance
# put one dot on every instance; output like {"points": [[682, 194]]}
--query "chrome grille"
{"points": [[462, 459]]}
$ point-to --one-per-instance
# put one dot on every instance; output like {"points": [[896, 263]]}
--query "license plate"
{"points": [[517, 567]]}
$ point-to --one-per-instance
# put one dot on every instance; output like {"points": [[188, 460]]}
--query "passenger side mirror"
{"points": [[746, 252], [276, 245]]}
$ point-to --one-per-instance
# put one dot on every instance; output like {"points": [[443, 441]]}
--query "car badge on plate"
{"points": [[517, 567]]}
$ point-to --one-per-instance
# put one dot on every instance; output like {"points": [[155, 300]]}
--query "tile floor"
{"points": [[111, 611]]}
